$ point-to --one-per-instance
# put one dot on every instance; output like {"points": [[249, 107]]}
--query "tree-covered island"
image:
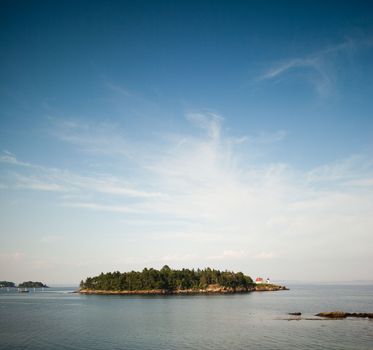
{"points": [[31, 284], [169, 281], [7, 284]]}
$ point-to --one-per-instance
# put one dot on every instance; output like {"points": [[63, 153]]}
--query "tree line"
{"points": [[166, 279]]}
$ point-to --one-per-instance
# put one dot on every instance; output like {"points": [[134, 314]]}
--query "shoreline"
{"points": [[205, 291]]}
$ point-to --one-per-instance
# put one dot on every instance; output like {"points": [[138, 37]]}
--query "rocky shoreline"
{"points": [[268, 288], [342, 314], [212, 289]]}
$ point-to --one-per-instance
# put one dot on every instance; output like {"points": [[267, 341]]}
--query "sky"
{"points": [[235, 135]]}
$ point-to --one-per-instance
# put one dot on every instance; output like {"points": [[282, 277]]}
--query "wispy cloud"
{"points": [[285, 66], [118, 89], [33, 183], [350, 170], [102, 207], [315, 70], [10, 158], [209, 121], [318, 67], [45, 178]]}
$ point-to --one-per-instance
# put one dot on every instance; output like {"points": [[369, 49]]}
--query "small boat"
{"points": [[24, 290]]}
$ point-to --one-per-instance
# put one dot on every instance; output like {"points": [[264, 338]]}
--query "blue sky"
{"points": [[193, 133]]}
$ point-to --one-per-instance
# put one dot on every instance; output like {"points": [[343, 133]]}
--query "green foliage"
{"points": [[30, 284], [166, 279], [7, 284]]}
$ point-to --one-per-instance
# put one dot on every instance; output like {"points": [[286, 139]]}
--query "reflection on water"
{"points": [[58, 319]]}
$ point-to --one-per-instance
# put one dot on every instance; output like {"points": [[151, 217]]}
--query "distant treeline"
{"points": [[28, 284], [166, 279]]}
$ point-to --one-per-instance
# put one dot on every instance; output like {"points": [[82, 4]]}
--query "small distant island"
{"points": [[7, 284], [31, 284], [169, 281]]}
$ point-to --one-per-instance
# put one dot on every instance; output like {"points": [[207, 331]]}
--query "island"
{"points": [[168, 281], [7, 284], [31, 284]]}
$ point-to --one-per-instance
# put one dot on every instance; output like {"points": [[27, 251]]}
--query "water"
{"points": [[56, 319]]}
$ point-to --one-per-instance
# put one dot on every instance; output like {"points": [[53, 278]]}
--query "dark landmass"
{"points": [[31, 284], [341, 314], [7, 284], [167, 281]]}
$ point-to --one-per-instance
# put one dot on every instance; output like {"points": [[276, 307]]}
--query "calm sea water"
{"points": [[56, 319]]}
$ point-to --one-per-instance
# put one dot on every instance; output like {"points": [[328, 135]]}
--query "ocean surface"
{"points": [[58, 319]]}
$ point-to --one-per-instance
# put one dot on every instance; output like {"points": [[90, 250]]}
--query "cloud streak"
{"points": [[36, 177], [101, 207], [317, 68]]}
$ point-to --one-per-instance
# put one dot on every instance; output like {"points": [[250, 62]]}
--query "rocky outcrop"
{"points": [[268, 288], [342, 314]]}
